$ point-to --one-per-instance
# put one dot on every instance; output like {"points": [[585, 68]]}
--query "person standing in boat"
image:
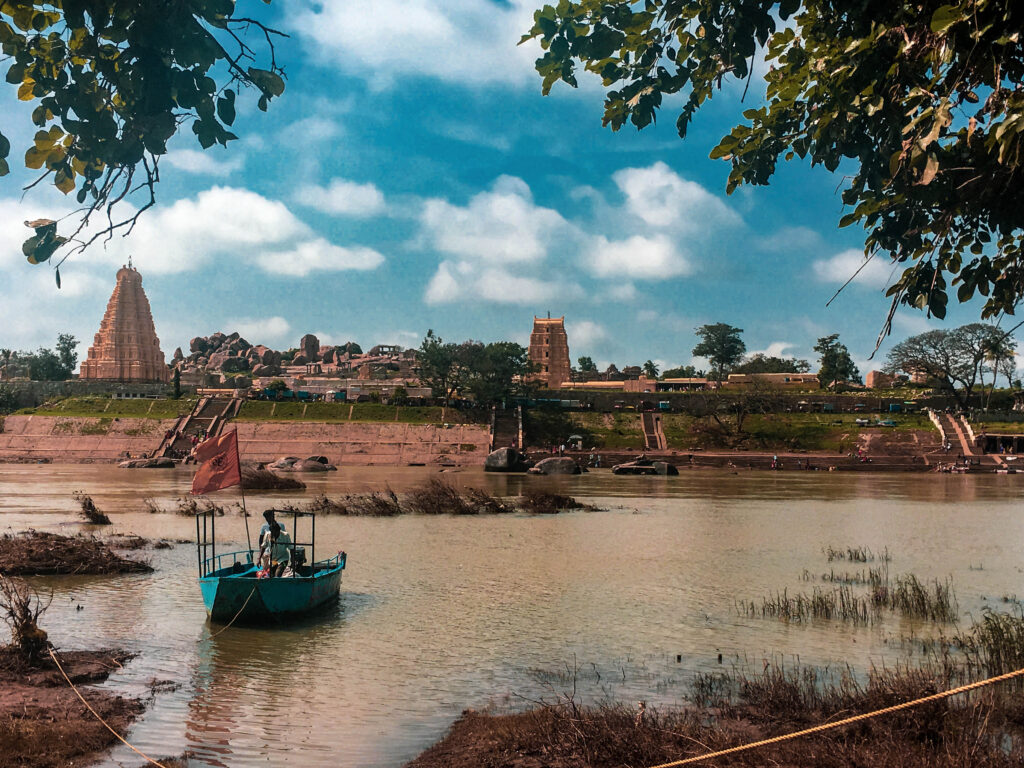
{"points": [[264, 537]]}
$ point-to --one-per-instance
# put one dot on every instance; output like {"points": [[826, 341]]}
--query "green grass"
{"points": [[261, 410], [998, 427], [781, 431], [616, 431], [78, 407]]}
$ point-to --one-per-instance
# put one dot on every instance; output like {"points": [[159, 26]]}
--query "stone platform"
{"points": [[79, 440]]}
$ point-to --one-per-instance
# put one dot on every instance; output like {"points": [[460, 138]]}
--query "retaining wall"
{"points": [[79, 440], [364, 443], [84, 440]]}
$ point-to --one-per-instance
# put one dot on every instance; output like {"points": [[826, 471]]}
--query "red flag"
{"points": [[218, 464]]}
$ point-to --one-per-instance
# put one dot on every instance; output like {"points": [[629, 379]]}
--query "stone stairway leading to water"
{"points": [[654, 437], [207, 419], [506, 428]]}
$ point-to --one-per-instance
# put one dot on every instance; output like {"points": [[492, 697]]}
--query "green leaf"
{"points": [[931, 167], [226, 107], [269, 82], [945, 16], [57, 276], [5, 146], [4, 167]]}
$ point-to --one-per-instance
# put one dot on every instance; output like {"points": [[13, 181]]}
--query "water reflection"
{"points": [[440, 614]]}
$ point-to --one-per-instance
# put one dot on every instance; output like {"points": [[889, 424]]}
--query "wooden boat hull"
{"points": [[234, 593]]}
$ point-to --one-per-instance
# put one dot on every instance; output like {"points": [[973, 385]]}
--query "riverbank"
{"points": [[43, 723]]}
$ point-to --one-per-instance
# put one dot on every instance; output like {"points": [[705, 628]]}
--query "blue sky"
{"points": [[413, 177]]}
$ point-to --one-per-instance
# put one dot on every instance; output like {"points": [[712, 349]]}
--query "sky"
{"points": [[413, 177]]}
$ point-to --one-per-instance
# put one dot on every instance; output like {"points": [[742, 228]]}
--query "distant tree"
{"points": [[683, 372], [352, 348], [650, 370], [587, 364], [176, 380], [492, 372], [277, 387], [5, 362], [953, 359], [399, 396], [835, 363], [438, 366], [44, 365], [721, 345], [8, 399], [66, 353], [762, 363]]}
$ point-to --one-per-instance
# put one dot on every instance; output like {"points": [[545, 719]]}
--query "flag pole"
{"points": [[241, 490]]}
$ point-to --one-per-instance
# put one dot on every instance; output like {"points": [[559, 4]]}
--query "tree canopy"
{"points": [[44, 364], [721, 345], [921, 102], [111, 81], [587, 364], [956, 359], [835, 363], [762, 363], [487, 373]]}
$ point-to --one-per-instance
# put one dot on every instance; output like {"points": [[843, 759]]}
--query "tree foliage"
{"points": [[922, 102], [587, 364], [682, 372], [762, 363], [487, 373], [650, 369], [111, 81], [835, 363], [956, 360], [44, 364], [721, 345]]}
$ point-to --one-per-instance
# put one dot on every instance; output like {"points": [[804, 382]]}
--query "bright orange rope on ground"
{"points": [[96, 714], [846, 721]]}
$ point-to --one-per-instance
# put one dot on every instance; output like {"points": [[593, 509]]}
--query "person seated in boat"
{"points": [[278, 550]]}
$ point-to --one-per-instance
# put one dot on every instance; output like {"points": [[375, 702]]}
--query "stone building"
{"points": [[549, 351], [126, 347]]}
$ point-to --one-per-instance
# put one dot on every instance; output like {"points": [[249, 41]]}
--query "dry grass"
{"points": [[257, 479], [35, 553], [545, 503]]}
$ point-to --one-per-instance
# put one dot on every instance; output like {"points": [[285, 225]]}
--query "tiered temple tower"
{"points": [[549, 350], [126, 347]]}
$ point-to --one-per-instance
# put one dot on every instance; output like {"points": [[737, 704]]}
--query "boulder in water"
{"points": [[506, 460], [556, 465]]}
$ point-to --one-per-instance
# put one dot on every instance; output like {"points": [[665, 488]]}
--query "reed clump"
{"points": [[189, 505], [546, 503], [437, 497], [37, 553], [20, 608], [89, 512], [856, 554], [733, 708], [260, 479]]}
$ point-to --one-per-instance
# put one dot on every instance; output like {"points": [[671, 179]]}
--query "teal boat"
{"points": [[233, 592]]}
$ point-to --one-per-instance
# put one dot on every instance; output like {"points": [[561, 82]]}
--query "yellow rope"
{"points": [[846, 721], [96, 714], [236, 615]]}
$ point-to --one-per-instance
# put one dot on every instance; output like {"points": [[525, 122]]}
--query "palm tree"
{"points": [[5, 355]]}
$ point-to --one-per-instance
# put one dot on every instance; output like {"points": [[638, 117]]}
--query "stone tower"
{"points": [[126, 347], [549, 350]]}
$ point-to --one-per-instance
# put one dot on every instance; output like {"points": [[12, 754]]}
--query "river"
{"points": [[445, 613]]}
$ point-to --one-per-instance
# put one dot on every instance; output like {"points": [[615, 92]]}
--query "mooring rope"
{"points": [[97, 716], [845, 721], [235, 616]]}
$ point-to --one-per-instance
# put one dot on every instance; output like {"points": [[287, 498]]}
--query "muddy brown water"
{"points": [[440, 614]]}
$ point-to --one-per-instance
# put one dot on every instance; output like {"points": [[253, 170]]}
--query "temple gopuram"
{"points": [[549, 350], [126, 347]]}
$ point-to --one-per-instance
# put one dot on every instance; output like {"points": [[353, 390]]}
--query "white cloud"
{"points": [[637, 258], [465, 41], [342, 198], [625, 292], [841, 267], [269, 331], [775, 349], [501, 226], [465, 281], [788, 239], [313, 129], [319, 256], [203, 163], [585, 334], [662, 198]]}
